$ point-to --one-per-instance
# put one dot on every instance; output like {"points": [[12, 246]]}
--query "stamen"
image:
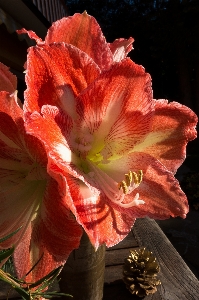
{"points": [[131, 177], [124, 186], [116, 192]]}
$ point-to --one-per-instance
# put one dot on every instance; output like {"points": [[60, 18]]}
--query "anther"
{"points": [[124, 186], [130, 178]]}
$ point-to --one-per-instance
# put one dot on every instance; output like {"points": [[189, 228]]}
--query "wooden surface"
{"points": [[178, 282]]}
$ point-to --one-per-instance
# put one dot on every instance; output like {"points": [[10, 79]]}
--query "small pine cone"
{"points": [[140, 272]]}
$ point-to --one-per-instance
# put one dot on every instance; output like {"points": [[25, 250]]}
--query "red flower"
{"points": [[83, 32], [29, 195], [103, 132]]}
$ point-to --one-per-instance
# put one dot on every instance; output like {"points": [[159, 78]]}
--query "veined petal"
{"points": [[17, 143], [8, 81], [102, 223], [82, 31], [117, 109], [54, 234], [120, 48], [19, 201], [159, 189], [55, 74], [47, 130], [172, 128]]}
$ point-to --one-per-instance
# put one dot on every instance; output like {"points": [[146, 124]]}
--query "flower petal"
{"points": [[55, 74], [16, 142], [172, 128], [100, 220], [82, 31], [120, 48], [8, 81], [54, 234], [117, 108], [159, 189], [11, 122], [19, 200]]}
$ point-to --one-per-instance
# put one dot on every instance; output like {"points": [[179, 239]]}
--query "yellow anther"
{"points": [[124, 186], [129, 178], [140, 176], [135, 178]]}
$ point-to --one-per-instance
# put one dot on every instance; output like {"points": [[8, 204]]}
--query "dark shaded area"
{"points": [[117, 291]]}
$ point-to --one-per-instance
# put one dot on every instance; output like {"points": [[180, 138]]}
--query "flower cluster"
{"points": [[90, 149]]}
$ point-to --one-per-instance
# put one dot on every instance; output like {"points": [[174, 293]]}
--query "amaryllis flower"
{"points": [[29, 196], [117, 148], [83, 32]]}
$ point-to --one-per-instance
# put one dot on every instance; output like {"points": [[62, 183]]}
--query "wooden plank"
{"points": [[128, 242], [116, 257], [178, 282], [113, 273]]}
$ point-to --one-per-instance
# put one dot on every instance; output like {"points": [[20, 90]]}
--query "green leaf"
{"points": [[48, 278], [6, 253], [10, 235], [22, 292]]}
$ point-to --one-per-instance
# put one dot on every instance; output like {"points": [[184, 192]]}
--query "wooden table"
{"points": [[178, 282]]}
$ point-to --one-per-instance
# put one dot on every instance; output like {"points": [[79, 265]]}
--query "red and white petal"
{"points": [[47, 130], [159, 189], [100, 220], [54, 235], [12, 133], [172, 128], [120, 48], [19, 199], [55, 74], [82, 31], [8, 81], [117, 108]]}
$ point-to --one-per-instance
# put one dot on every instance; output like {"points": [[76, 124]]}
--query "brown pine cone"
{"points": [[140, 272]]}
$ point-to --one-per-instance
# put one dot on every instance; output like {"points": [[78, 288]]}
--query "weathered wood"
{"points": [[178, 282], [128, 242]]}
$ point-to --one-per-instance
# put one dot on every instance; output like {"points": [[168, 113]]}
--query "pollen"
{"points": [[131, 181]]}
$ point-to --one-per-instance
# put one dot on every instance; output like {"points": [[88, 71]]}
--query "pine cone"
{"points": [[140, 272]]}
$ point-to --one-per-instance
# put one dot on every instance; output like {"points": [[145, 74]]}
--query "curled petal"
{"points": [[31, 34], [55, 74], [120, 48], [159, 189], [172, 128], [82, 31]]}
